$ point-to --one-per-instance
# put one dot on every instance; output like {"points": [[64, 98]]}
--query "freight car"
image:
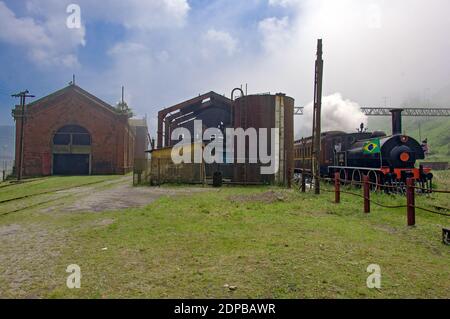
{"points": [[387, 160]]}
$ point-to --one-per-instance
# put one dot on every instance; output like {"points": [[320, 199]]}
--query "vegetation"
{"points": [[253, 242], [437, 131]]}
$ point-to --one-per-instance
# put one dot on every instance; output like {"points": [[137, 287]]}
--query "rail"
{"points": [[50, 192], [46, 193]]}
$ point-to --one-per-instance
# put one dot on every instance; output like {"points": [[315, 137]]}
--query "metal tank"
{"points": [[266, 111]]}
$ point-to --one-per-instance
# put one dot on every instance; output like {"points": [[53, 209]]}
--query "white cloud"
{"points": [[169, 52], [223, 40], [46, 43], [17, 31], [139, 14], [371, 49], [132, 14], [284, 3], [128, 49], [276, 33]]}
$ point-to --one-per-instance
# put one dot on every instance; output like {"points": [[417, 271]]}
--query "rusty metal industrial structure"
{"points": [[212, 108], [266, 111], [263, 111]]}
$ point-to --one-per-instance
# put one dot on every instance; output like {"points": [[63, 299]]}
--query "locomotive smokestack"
{"points": [[396, 121]]}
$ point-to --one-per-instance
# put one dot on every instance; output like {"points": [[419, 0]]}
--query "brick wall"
{"points": [[110, 134]]}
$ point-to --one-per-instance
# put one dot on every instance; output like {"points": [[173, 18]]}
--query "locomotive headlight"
{"points": [[404, 139], [404, 157]]}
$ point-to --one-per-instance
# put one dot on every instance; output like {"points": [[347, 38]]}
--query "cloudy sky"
{"points": [[166, 51]]}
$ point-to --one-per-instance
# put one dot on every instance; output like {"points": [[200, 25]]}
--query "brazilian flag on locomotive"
{"points": [[372, 147]]}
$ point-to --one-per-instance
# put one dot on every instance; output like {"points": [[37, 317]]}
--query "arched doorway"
{"points": [[72, 151]]}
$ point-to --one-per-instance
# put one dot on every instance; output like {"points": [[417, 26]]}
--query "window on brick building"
{"points": [[72, 135]]}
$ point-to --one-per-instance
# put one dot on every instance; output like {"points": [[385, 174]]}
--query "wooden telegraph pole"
{"points": [[317, 118], [22, 95]]}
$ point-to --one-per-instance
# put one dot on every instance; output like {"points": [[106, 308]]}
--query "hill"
{"points": [[437, 131]]}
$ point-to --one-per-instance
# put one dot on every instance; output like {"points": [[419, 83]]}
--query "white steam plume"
{"points": [[338, 114]]}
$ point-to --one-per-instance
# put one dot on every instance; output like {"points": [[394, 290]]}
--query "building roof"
{"points": [[197, 101], [76, 89]]}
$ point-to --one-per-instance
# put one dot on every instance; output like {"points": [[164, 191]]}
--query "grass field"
{"points": [[262, 242]]}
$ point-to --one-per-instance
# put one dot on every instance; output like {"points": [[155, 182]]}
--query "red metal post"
{"points": [[411, 202], [366, 194], [337, 187]]}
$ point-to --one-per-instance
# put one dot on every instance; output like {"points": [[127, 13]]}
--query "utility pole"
{"points": [[22, 95], [317, 121]]}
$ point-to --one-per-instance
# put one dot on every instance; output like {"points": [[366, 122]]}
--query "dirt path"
{"points": [[121, 195]]}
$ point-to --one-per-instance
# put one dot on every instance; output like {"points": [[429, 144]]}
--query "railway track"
{"points": [[7, 201], [16, 183]]}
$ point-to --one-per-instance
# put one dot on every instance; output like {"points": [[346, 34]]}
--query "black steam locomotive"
{"points": [[387, 160]]}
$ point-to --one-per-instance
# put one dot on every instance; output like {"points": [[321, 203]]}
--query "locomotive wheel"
{"points": [[356, 178], [373, 178]]}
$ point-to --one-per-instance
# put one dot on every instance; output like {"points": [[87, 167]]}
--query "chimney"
{"points": [[396, 121]]}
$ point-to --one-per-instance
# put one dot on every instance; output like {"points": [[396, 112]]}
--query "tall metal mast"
{"points": [[317, 121]]}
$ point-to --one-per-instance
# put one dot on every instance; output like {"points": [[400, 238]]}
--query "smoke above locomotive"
{"points": [[341, 114]]}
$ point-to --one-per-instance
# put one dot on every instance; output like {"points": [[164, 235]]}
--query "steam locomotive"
{"points": [[386, 160]]}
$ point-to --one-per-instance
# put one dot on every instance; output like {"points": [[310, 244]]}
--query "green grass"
{"points": [[268, 242]]}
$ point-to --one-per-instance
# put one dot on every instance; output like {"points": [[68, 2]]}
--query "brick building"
{"points": [[72, 132]]}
